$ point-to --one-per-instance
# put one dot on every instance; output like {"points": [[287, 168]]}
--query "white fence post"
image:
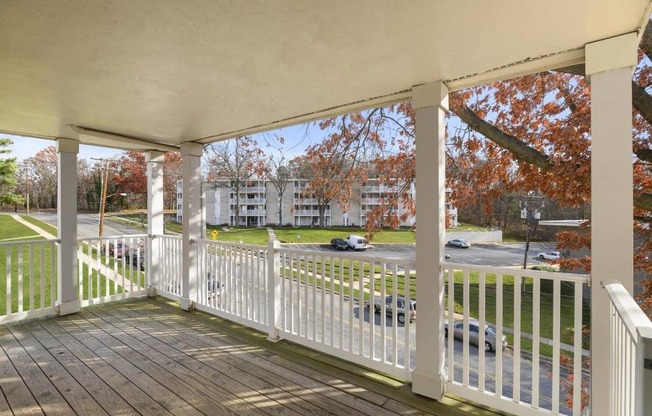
{"points": [[273, 290], [644, 388]]}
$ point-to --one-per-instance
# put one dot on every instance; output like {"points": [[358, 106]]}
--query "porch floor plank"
{"points": [[146, 356]]}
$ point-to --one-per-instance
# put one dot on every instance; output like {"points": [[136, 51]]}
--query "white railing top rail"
{"points": [[170, 236], [635, 320], [23, 242], [113, 237], [566, 277], [230, 244]]}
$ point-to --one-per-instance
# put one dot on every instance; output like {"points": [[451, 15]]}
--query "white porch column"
{"points": [[192, 221], [68, 288], [609, 66], [430, 102], [155, 220]]}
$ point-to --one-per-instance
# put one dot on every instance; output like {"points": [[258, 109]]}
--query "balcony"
{"points": [[324, 301], [319, 300], [144, 356], [248, 201], [248, 212]]}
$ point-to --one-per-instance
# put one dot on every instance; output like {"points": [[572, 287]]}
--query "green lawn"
{"points": [[545, 301], [12, 230], [30, 268], [33, 266], [47, 227]]}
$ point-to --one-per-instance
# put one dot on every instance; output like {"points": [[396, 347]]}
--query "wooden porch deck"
{"points": [[146, 356]]}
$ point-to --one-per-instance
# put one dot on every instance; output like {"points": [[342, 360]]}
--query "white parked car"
{"points": [[357, 243], [553, 255]]}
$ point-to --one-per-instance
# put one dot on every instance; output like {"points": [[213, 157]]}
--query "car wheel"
{"points": [[487, 347], [401, 318], [445, 332]]}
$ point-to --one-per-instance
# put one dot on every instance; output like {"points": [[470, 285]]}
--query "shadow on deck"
{"points": [[146, 356]]}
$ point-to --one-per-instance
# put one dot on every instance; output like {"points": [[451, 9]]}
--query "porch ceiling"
{"points": [[174, 71]]}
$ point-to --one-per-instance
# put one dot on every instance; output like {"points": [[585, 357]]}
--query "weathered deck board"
{"points": [[146, 356]]}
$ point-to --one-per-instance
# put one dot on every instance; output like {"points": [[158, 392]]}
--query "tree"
{"points": [[86, 199], [172, 173], [43, 175], [233, 164], [378, 143], [279, 175], [8, 173]]}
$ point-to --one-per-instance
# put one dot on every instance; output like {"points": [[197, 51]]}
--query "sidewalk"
{"points": [[90, 262]]}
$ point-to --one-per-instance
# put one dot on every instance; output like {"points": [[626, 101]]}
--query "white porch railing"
{"points": [[233, 282], [335, 303], [111, 268], [30, 285], [541, 314], [170, 266], [631, 354]]}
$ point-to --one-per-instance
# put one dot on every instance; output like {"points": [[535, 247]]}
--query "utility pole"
{"points": [[27, 183], [531, 205], [105, 184]]}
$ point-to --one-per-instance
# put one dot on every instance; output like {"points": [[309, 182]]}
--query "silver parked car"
{"points": [[474, 334], [403, 307], [459, 243]]}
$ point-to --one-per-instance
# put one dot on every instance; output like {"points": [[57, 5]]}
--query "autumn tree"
{"points": [[377, 144], [172, 173], [234, 164], [335, 165], [8, 173], [43, 174]]}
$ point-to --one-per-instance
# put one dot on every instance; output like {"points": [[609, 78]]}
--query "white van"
{"points": [[357, 243]]}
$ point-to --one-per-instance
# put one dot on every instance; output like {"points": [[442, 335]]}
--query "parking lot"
{"points": [[497, 255]]}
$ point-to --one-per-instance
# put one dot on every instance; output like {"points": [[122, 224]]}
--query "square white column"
{"points": [[430, 102], [68, 286], [155, 220], [609, 66], [192, 221]]}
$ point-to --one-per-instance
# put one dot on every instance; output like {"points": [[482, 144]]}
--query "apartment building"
{"points": [[260, 204]]}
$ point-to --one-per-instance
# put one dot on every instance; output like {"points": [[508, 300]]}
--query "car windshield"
{"points": [[491, 330]]}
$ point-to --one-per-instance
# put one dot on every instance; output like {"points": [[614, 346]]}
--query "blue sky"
{"points": [[297, 138]]}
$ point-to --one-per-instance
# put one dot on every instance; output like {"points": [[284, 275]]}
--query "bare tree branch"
{"points": [[646, 41], [642, 101], [520, 150]]}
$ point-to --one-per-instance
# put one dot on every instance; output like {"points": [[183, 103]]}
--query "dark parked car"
{"points": [[339, 244], [215, 287], [459, 243], [136, 255]]}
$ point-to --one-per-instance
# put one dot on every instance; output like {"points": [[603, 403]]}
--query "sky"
{"points": [[297, 138]]}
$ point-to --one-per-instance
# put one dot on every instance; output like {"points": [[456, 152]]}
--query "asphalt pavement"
{"points": [[88, 225], [496, 255]]}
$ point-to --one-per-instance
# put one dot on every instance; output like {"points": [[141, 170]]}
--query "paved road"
{"points": [[497, 255], [88, 225]]}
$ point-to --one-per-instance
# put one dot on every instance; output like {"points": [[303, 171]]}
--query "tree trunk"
{"points": [[322, 210]]}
